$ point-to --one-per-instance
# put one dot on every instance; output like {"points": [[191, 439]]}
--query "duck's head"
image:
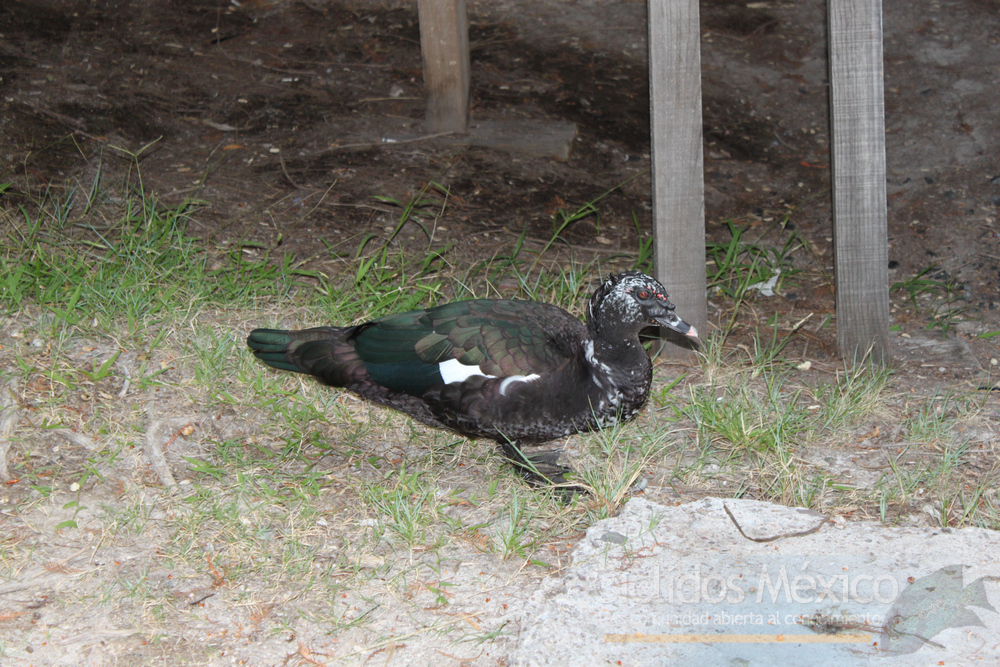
{"points": [[634, 300]]}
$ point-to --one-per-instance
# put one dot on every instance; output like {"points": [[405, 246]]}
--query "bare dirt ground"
{"points": [[273, 113]]}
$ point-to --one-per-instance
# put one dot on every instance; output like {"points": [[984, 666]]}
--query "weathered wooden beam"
{"points": [[444, 45], [857, 127], [678, 163]]}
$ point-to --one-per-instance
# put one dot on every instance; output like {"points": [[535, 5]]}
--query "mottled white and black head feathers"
{"points": [[631, 301]]}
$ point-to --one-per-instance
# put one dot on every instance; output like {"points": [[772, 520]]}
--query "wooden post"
{"points": [[857, 119], [678, 162], [444, 45]]}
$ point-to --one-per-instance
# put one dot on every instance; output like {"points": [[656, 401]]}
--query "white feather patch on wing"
{"points": [[453, 371], [516, 378]]}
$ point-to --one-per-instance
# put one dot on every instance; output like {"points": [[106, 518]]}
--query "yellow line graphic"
{"points": [[736, 639]]}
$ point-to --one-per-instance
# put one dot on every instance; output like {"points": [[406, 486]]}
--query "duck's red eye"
{"points": [[643, 294]]}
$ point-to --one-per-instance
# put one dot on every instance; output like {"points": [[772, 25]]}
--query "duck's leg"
{"points": [[541, 469]]}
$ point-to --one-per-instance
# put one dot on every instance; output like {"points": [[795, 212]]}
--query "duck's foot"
{"points": [[541, 468]]}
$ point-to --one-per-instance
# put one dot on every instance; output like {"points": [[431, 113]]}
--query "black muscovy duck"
{"points": [[518, 372]]}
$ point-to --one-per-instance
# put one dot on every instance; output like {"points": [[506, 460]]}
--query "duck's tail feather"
{"points": [[307, 351]]}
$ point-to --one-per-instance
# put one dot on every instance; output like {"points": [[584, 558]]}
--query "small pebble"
{"points": [[613, 537]]}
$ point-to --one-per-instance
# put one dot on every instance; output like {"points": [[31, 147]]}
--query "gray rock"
{"points": [[687, 587]]}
